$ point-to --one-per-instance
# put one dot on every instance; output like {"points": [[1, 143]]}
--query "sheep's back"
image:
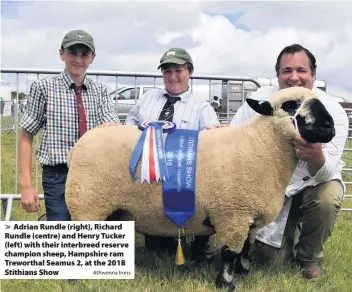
{"points": [[232, 171]]}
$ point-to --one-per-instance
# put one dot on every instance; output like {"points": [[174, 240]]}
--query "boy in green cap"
{"points": [[175, 103], [64, 106]]}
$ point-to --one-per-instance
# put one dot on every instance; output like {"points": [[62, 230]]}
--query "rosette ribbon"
{"points": [[151, 147]]}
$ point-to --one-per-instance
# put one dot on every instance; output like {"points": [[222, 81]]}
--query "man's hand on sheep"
{"points": [[217, 126], [30, 199], [311, 153], [106, 125]]}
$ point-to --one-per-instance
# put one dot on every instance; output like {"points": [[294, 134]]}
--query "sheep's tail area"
{"points": [[78, 198]]}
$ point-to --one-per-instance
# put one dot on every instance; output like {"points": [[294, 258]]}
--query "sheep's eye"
{"points": [[290, 106]]}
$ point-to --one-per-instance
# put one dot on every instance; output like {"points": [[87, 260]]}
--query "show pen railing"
{"points": [[17, 108]]}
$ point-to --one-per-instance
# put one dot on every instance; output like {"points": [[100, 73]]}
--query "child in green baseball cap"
{"points": [[64, 106]]}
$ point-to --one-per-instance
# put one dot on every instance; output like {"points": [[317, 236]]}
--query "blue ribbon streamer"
{"points": [[136, 154], [179, 192]]}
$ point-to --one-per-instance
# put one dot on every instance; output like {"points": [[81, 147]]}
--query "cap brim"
{"points": [[177, 61], [69, 44]]}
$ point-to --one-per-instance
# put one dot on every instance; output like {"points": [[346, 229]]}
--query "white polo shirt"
{"points": [[190, 113]]}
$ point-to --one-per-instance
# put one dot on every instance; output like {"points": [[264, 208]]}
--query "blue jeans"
{"points": [[54, 181]]}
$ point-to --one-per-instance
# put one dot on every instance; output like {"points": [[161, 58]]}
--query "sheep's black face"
{"points": [[314, 123], [321, 128], [291, 106]]}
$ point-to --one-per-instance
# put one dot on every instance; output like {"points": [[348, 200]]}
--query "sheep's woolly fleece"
{"points": [[242, 173]]}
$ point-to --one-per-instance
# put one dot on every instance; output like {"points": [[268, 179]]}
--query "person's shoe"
{"points": [[311, 269]]}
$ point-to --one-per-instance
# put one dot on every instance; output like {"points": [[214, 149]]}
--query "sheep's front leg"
{"points": [[225, 275], [234, 234], [242, 262]]}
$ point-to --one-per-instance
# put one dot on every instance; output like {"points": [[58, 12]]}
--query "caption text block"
{"points": [[67, 250]]}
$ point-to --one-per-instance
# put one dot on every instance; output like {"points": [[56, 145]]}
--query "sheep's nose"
{"points": [[326, 125]]}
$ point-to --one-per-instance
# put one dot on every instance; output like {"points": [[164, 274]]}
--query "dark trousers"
{"points": [[54, 181]]}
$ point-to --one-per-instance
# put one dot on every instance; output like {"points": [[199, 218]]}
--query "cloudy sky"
{"points": [[223, 37]]}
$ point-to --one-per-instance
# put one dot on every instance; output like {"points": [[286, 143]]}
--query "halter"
{"points": [[294, 117]]}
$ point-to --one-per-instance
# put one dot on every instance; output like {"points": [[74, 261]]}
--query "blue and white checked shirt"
{"points": [[52, 107], [190, 112]]}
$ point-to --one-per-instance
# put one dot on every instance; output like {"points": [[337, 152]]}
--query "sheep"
{"points": [[241, 177]]}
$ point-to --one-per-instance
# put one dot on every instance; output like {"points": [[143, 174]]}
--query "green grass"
{"points": [[161, 275]]}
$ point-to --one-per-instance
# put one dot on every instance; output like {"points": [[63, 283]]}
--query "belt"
{"points": [[57, 167]]}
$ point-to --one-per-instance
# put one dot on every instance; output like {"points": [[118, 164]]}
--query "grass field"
{"points": [[161, 275]]}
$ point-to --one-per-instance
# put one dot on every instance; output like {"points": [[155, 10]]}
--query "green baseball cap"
{"points": [[175, 56], [78, 36]]}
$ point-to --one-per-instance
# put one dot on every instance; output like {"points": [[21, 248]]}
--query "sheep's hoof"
{"points": [[240, 269], [222, 284], [231, 288]]}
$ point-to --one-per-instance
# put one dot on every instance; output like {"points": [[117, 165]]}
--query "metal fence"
{"points": [[10, 123], [10, 114]]}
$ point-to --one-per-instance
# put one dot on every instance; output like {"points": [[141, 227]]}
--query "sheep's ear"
{"points": [[262, 107]]}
